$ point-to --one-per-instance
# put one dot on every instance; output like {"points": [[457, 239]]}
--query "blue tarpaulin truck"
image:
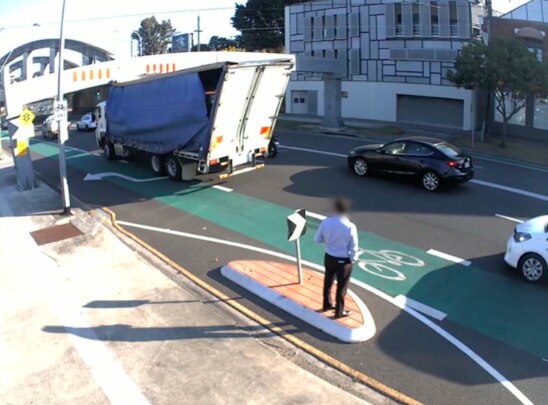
{"points": [[197, 120]]}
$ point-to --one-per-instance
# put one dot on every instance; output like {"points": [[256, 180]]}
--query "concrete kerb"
{"points": [[381, 393]]}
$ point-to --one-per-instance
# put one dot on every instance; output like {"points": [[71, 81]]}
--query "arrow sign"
{"points": [[296, 225], [20, 135], [101, 176]]}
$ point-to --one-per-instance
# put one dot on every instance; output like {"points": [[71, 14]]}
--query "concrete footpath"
{"points": [[87, 320]]}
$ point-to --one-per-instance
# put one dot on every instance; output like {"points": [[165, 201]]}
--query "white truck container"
{"points": [[194, 121]]}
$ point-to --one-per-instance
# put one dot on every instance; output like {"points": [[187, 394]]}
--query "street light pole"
{"points": [[62, 121]]}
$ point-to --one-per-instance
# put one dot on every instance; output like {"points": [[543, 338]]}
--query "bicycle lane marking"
{"points": [[482, 301]]}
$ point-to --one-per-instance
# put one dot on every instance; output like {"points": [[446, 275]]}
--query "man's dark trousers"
{"points": [[342, 269]]}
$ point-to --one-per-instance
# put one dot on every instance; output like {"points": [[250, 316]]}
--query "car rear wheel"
{"points": [[430, 181], [360, 167], [157, 164], [532, 267], [173, 168]]}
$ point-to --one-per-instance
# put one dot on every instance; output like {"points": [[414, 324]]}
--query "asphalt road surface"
{"points": [[483, 334]]}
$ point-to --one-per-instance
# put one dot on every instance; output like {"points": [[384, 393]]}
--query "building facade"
{"points": [[395, 56], [529, 23]]}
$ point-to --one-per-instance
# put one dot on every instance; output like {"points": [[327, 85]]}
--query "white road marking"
{"points": [[479, 182], [66, 146], [511, 190], [439, 330], [545, 360], [316, 216], [538, 169], [419, 306], [313, 151], [519, 221], [100, 176], [124, 162], [225, 189], [449, 257]]}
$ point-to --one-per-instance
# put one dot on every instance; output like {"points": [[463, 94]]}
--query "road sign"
{"points": [[26, 118], [20, 131], [60, 110], [296, 225]]}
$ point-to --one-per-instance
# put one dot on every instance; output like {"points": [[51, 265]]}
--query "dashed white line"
{"points": [[511, 190], [519, 221], [448, 257], [316, 216], [124, 162], [225, 189], [320, 152], [419, 306]]}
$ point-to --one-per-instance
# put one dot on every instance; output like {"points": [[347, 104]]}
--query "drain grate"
{"points": [[55, 234]]}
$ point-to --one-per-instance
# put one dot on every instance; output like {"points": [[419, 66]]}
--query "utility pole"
{"points": [[198, 31], [489, 18], [62, 121]]}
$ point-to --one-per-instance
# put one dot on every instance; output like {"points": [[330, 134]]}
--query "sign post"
{"points": [[296, 227]]}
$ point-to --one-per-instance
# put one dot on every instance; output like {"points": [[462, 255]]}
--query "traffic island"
{"points": [[278, 283]]}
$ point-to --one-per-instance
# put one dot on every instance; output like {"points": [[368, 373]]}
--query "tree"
{"points": [[505, 67], [261, 23], [156, 36], [221, 44]]}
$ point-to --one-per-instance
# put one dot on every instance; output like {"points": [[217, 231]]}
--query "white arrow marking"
{"points": [[101, 176], [299, 223]]}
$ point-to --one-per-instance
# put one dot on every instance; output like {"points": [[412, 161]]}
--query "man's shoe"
{"points": [[328, 308], [342, 314]]}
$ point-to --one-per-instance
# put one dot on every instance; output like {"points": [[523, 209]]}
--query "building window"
{"points": [[399, 20], [312, 27], [540, 118], [416, 19], [335, 30], [453, 23], [537, 52], [434, 19], [517, 119]]}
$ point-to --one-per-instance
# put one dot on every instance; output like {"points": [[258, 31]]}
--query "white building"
{"points": [[396, 55]]}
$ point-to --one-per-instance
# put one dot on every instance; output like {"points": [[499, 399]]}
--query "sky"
{"points": [[109, 23]]}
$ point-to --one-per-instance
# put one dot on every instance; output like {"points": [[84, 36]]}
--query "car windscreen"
{"points": [[447, 149]]}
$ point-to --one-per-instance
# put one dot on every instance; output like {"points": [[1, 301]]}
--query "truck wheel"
{"points": [[157, 164], [173, 168], [108, 150]]}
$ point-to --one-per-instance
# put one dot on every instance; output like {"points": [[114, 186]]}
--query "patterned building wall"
{"points": [[382, 41]]}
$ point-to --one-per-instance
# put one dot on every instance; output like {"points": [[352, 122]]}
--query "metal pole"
{"points": [[62, 123], [198, 31], [299, 267]]}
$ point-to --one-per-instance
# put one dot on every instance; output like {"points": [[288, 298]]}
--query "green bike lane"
{"points": [[483, 301]]}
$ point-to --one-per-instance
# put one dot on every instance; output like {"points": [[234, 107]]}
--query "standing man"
{"points": [[341, 249]]}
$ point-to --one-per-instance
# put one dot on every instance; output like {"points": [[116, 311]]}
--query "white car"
{"points": [[527, 249], [86, 122]]}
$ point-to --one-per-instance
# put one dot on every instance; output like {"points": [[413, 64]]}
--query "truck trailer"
{"points": [[211, 118]]}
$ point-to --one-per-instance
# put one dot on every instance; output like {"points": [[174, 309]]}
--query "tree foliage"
{"points": [[261, 23], [505, 67], [217, 43], [156, 36]]}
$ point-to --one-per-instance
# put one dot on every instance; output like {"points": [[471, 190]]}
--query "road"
{"points": [[483, 334]]}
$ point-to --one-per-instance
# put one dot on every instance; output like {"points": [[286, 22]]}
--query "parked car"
{"points": [[527, 249], [50, 128], [431, 160], [86, 122], [3, 123]]}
